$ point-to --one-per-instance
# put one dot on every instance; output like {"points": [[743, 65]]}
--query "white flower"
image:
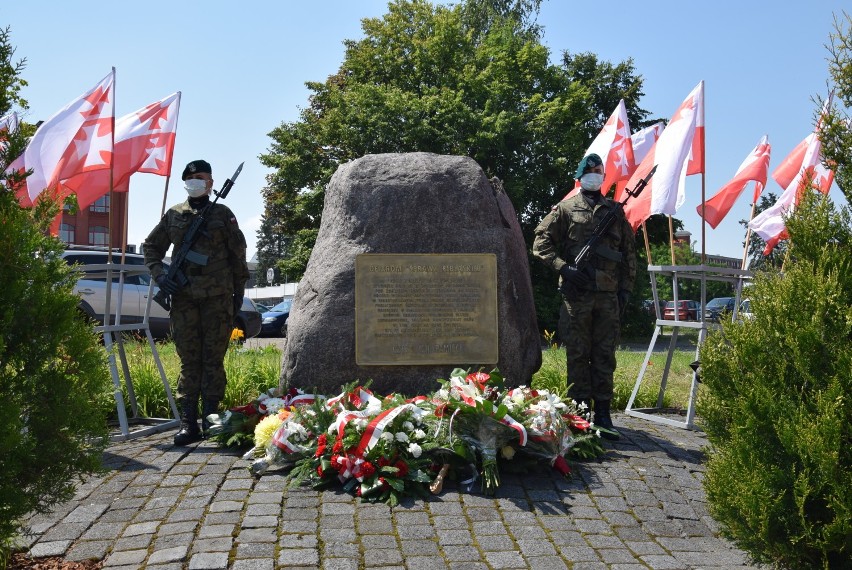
{"points": [[273, 405], [414, 449], [442, 394], [507, 452], [419, 434], [374, 407], [387, 436], [361, 423], [408, 426], [401, 437]]}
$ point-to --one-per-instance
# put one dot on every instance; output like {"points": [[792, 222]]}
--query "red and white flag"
{"points": [[614, 147], [643, 141], [754, 168], [76, 139], [144, 142], [769, 224], [665, 193]]}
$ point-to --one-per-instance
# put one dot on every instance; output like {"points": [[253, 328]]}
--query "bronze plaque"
{"points": [[426, 308]]}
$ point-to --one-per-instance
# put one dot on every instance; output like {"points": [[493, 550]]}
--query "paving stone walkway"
{"points": [[160, 507]]}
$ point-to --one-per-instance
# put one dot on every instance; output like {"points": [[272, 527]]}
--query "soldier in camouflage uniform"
{"points": [[202, 313], [590, 320]]}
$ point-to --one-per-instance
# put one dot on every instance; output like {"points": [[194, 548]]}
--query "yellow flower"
{"points": [[237, 335], [265, 429]]}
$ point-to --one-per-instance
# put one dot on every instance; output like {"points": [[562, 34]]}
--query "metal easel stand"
{"points": [[703, 273], [113, 338]]}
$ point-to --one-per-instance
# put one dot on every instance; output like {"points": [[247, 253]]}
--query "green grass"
{"points": [[553, 376], [252, 371]]}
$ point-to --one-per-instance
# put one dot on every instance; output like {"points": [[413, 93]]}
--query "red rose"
{"points": [[403, 468], [368, 469], [319, 470], [322, 440], [383, 462], [338, 447]]}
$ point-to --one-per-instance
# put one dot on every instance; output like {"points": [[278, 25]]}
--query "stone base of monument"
{"points": [[419, 267]]}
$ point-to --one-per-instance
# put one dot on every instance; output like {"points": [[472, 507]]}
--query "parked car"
{"points": [[686, 310], [648, 306], [134, 294], [715, 307], [275, 319], [745, 310], [261, 308]]}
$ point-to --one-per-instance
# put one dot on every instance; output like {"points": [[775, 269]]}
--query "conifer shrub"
{"points": [[53, 372], [777, 406]]}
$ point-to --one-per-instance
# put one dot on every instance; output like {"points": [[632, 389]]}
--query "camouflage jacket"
{"points": [[221, 240], [565, 230]]}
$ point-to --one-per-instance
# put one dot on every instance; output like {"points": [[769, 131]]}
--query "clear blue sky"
{"points": [[241, 68]]}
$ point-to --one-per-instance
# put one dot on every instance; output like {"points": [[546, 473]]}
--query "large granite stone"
{"points": [[405, 203]]}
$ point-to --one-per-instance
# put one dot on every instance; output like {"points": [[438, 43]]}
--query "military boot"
{"points": [[189, 432], [602, 419], [208, 407]]}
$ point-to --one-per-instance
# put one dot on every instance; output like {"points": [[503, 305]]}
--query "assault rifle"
{"points": [[583, 260], [175, 274]]}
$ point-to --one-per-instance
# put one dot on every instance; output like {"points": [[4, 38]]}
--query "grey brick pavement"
{"points": [[641, 506]]}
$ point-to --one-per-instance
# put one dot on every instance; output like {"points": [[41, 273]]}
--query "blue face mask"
{"points": [[591, 181]]}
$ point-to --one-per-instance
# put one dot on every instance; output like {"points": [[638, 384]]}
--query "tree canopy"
{"points": [[470, 79]]}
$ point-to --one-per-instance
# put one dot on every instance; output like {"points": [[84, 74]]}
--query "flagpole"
{"points": [[647, 245], [671, 238], [748, 235]]}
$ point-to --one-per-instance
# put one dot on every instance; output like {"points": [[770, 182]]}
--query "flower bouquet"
{"points": [[376, 451], [235, 426], [476, 419], [553, 426]]}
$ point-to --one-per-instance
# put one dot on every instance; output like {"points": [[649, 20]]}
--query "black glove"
{"points": [[623, 298], [168, 287], [238, 301], [575, 277]]}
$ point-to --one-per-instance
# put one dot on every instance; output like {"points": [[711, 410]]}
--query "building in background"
{"points": [[99, 225]]}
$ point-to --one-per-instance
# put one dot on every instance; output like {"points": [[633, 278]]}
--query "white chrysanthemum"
{"points": [[387, 436], [442, 394], [298, 430], [419, 434], [401, 437], [517, 397], [273, 405], [408, 426], [415, 450], [361, 423]]}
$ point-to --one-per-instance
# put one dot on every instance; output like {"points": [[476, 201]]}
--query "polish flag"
{"points": [[613, 146], [643, 141], [144, 142], [77, 139], [755, 167], [665, 193], [769, 224], [791, 166]]}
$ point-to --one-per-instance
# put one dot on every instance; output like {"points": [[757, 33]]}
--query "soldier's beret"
{"points": [[587, 163], [195, 167]]}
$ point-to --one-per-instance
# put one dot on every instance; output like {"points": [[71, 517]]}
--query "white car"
{"points": [[91, 287], [745, 310]]}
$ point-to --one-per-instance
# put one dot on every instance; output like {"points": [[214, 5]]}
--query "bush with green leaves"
{"points": [[52, 370], [778, 405]]}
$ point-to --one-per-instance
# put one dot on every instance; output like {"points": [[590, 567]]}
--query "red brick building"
{"points": [[101, 224]]}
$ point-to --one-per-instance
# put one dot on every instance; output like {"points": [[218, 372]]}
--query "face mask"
{"points": [[591, 181], [195, 187]]}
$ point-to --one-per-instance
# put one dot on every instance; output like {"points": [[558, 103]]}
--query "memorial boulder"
{"points": [[436, 206]]}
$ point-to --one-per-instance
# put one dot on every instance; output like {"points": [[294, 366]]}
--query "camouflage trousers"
{"points": [[201, 329], [590, 328]]}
